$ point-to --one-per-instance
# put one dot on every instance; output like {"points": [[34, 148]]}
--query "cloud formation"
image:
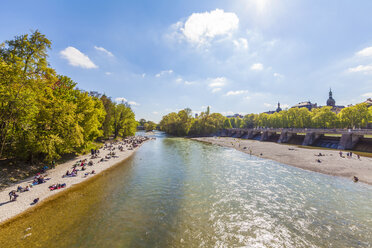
{"points": [[133, 103], [101, 49], [361, 68], [217, 82], [77, 58], [241, 43], [120, 99], [367, 95], [202, 27], [257, 67], [237, 92], [163, 73], [366, 52]]}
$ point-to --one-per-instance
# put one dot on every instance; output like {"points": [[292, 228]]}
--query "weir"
{"points": [[343, 139]]}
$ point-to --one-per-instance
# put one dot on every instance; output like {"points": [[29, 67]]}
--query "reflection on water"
{"points": [[180, 193]]}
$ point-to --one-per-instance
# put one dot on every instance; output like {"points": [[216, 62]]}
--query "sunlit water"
{"points": [[181, 193]]}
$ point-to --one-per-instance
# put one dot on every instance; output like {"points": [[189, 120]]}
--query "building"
{"points": [[306, 104], [278, 109], [368, 102], [332, 103]]}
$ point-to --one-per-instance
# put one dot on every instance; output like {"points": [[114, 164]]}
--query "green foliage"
{"points": [[227, 123], [351, 117], [124, 123], [182, 123], [357, 116], [42, 114], [149, 126]]}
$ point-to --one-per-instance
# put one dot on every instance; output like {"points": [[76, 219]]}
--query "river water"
{"points": [[177, 192]]}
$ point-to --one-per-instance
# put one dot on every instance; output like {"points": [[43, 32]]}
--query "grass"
{"points": [[368, 136]]}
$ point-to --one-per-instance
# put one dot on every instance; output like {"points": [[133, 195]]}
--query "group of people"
{"points": [[38, 179], [57, 186], [130, 143], [348, 155]]}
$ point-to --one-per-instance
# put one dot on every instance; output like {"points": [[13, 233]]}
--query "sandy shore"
{"points": [[331, 163], [11, 209]]}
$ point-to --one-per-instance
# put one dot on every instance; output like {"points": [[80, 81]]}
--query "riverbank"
{"points": [[110, 155], [331, 163]]}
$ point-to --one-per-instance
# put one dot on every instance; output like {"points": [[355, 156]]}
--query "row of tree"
{"points": [[183, 124], [42, 114], [357, 116], [147, 125]]}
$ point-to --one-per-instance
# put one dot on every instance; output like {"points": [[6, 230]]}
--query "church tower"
{"points": [[331, 102], [278, 108]]}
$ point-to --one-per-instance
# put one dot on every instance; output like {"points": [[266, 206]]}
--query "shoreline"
{"points": [[331, 163], [10, 211]]}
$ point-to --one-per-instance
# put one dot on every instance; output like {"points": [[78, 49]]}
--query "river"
{"points": [[175, 192]]}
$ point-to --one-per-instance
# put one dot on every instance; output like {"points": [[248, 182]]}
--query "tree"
{"points": [[109, 107], [227, 124], [124, 123], [355, 116], [323, 117], [23, 66], [149, 126], [142, 122]]}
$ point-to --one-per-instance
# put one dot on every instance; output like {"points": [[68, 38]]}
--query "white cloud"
{"points": [[200, 28], [237, 92], [366, 52], [189, 82], [108, 73], [180, 80], [361, 68], [268, 105], [277, 75], [163, 73], [241, 43], [257, 67], [101, 49], [217, 82], [155, 112], [143, 75], [284, 106], [367, 95], [77, 58], [133, 103], [120, 99], [214, 90]]}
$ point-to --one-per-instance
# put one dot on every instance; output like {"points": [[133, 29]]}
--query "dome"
{"points": [[331, 101]]}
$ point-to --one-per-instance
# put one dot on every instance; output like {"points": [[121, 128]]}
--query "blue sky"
{"points": [[237, 56]]}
